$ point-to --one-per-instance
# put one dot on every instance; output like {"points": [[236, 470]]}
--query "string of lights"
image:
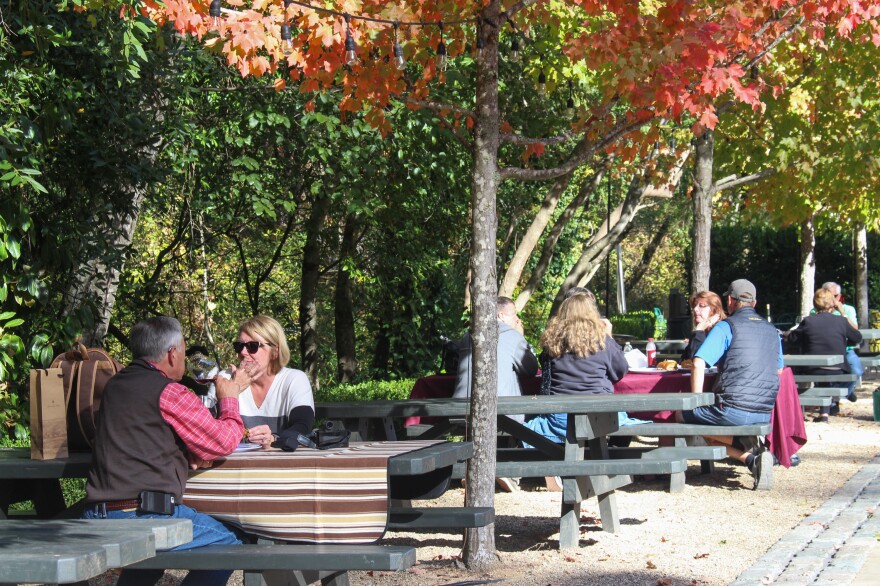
{"points": [[442, 57]]}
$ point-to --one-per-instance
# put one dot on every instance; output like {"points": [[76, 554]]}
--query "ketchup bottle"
{"points": [[651, 351]]}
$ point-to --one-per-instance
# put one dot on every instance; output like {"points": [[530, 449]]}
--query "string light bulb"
{"points": [[442, 57], [214, 13], [350, 49], [399, 60], [514, 50], [542, 84], [286, 39]]}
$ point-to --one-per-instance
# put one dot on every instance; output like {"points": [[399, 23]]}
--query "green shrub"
{"points": [[642, 324], [367, 391]]}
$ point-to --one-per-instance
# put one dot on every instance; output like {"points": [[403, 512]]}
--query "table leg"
{"points": [[594, 428], [44, 493]]}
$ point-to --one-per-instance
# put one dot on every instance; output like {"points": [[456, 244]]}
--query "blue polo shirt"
{"points": [[718, 341]]}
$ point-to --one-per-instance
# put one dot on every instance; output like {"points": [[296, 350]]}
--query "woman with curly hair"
{"points": [[582, 360]]}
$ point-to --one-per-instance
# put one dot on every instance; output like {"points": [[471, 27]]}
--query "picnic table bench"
{"points": [[75, 550], [268, 563], [591, 419], [414, 474]]}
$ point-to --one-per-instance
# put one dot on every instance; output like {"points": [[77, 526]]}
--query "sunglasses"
{"points": [[252, 347]]}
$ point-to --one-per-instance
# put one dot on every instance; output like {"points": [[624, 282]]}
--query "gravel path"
{"points": [[709, 534]]}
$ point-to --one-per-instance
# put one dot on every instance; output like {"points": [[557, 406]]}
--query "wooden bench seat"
{"points": [[681, 431], [440, 518], [824, 378], [541, 467], [690, 429], [328, 562]]}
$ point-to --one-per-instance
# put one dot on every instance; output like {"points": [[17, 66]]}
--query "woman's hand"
{"points": [[239, 380], [707, 323], [261, 434]]}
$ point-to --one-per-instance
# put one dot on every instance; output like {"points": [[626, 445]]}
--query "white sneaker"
{"points": [[507, 484]]}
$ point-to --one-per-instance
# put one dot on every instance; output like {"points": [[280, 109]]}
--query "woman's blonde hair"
{"points": [[576, 329], [823, 300], [265, 327]]}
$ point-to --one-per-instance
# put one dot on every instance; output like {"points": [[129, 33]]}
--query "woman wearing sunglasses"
{"points": [[278, 405]]}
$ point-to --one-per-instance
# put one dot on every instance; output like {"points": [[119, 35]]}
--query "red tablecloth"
{"points": [[787, 420], [660, 382]]}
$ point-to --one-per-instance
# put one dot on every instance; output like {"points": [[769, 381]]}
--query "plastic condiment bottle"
{"points": [[651, 351]]}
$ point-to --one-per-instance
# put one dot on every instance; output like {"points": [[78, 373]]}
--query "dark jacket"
{"points": [[591, 375], [824, 333], [135, 448], [696, 340], [749, 378]]}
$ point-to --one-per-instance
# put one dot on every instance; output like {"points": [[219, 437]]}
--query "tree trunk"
{"points": [[704, 191], [479, 545], [311, 272], [530, 239], [603, 241], [97, 279], [640, 269], [346, 360], [808, 265], [860, 251], [588, 187]]}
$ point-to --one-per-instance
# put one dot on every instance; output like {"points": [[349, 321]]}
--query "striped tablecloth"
{"points": [[311, 496]]}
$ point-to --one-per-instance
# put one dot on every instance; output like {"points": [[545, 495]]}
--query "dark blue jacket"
{"points": [[748, 377]]}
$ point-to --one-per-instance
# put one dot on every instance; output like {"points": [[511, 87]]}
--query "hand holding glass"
{"points": [[202, 369]]}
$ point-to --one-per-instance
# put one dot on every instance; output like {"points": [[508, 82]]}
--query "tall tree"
{"points": [[695, 54]]}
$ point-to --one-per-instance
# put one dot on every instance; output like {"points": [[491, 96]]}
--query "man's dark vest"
{"points": [[135, 448], [749, 378]]}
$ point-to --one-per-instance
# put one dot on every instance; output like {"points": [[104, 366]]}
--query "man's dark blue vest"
{"points": [[749, 378]]}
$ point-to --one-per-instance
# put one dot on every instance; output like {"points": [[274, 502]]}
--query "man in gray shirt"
{"points": [[515, 359], [515, 356]]}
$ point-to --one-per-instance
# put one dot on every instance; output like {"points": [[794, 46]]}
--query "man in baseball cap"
{"points": [[742, 290], [748, 352]]}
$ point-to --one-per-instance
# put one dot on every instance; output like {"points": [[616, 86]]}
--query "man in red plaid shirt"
{"points": [[151, 430]]}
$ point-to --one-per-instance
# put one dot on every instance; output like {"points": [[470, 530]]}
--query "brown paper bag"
{"points": [[48, 415]]}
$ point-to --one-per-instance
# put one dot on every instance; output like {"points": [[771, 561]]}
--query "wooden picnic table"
{"points": [[75, 550], [812, 359], [405, 471], [591, 419], [870, 333]]}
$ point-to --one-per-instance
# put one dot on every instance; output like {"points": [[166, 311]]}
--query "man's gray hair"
{"points": [[505, 304], [152, 338], [832, 286]]}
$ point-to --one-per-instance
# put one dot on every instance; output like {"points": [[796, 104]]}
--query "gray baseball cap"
{"points": [[742, 290]]}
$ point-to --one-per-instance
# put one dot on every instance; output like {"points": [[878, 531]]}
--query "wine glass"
{"points": [[202, 369]]}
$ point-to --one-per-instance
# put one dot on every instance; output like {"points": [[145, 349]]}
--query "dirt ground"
{"points": [[706, 535]]}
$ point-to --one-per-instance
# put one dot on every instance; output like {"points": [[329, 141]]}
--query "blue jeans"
{"points": [[206, 531], [724, 415], [855, 367], [550, 425]]}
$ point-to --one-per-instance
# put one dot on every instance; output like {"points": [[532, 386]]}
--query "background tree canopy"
{"points": [[142, 175]]}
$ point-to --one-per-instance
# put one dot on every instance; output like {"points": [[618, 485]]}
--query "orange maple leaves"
{"points": [[671, 58]]}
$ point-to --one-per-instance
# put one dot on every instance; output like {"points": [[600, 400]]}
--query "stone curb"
{"points": [[830, 545]]}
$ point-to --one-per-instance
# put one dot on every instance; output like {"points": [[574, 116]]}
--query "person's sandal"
{"points": [[821, 419], [554, 483]]}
